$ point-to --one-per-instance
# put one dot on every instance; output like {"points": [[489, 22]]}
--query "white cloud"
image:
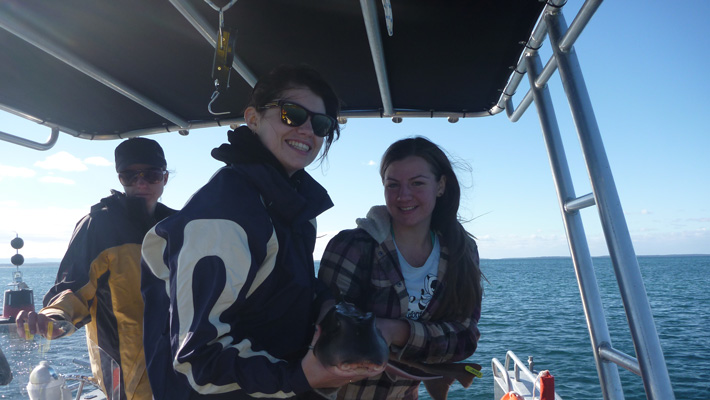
{"points": [[62, 161], [371, 163], [56, 179], [7, 171], [690, 241], [522, 245], [98, 161], [645, 212], [46, 231]]}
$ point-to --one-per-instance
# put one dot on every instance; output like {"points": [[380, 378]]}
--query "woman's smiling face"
{"points": [[411, 190], [294, 147]]}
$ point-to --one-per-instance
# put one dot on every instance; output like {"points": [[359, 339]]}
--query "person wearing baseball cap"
{"points": [[141, 168], [98, 283]]}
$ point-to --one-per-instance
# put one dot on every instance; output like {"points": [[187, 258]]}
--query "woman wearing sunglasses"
{"points": [[229, 284], [413, 265], [98, 282]]}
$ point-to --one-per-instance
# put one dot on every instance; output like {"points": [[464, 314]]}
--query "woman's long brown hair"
{"points": [[463, 292]]}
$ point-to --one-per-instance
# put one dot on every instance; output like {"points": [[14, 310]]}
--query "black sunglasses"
{"points": [[293, 114], [130, 177]]}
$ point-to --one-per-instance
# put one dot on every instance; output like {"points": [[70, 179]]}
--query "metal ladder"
{"points": [[650, 364]]}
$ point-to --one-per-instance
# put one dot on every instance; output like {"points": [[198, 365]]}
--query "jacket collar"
{"points": [[377, 223], [133, 207], [296, 197]]}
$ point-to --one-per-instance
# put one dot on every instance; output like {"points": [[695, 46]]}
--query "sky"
{"points": [[644, 64]]}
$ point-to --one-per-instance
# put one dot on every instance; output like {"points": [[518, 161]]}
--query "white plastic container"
{"points": [[46, 384]]}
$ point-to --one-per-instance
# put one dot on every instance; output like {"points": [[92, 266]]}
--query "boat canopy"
{"points": [[115, 69]]}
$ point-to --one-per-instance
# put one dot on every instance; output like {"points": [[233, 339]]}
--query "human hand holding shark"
{"points": [[349, 343]]}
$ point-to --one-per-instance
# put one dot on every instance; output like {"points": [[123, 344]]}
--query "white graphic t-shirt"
{"points": [[420, 282]]}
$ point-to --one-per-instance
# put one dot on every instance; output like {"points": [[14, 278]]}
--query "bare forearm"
{"points": [[395, 331]]}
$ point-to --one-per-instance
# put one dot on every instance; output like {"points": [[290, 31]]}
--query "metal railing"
{"points": [[650, 363]]}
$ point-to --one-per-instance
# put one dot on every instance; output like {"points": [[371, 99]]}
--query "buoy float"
{"points": [[512, 396], [22, 297]]}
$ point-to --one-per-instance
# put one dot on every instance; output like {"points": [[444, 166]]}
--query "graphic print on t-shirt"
{"points": [[418, 303]]}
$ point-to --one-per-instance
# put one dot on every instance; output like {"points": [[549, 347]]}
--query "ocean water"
{"points": [[531, 306], [24, 355]]}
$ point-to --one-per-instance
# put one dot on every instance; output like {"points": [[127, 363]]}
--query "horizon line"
{"points": [[29, 261]]}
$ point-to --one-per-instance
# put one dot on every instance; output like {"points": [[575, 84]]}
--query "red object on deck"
{"points": [[547, 386]]}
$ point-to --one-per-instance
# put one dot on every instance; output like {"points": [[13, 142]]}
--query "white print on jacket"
{"points": [[228, 241]]}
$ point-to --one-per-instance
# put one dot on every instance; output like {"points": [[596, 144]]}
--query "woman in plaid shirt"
{"points": [[413, 265]]}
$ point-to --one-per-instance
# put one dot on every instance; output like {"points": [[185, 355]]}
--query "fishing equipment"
{"points": [[21, 298]]}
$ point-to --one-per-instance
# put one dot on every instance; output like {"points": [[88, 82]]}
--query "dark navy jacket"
{"points": [[230, 291]]}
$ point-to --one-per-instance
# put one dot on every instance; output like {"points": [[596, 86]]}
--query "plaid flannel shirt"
{"points": [[367, 274]]}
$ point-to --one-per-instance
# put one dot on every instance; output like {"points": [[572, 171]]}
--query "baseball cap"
{"points": [[139, 151]]}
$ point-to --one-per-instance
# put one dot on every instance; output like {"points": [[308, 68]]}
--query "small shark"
{"points": [[351, 341]]}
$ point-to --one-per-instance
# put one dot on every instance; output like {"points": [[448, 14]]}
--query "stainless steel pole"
{"points": [[633, 293]]}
